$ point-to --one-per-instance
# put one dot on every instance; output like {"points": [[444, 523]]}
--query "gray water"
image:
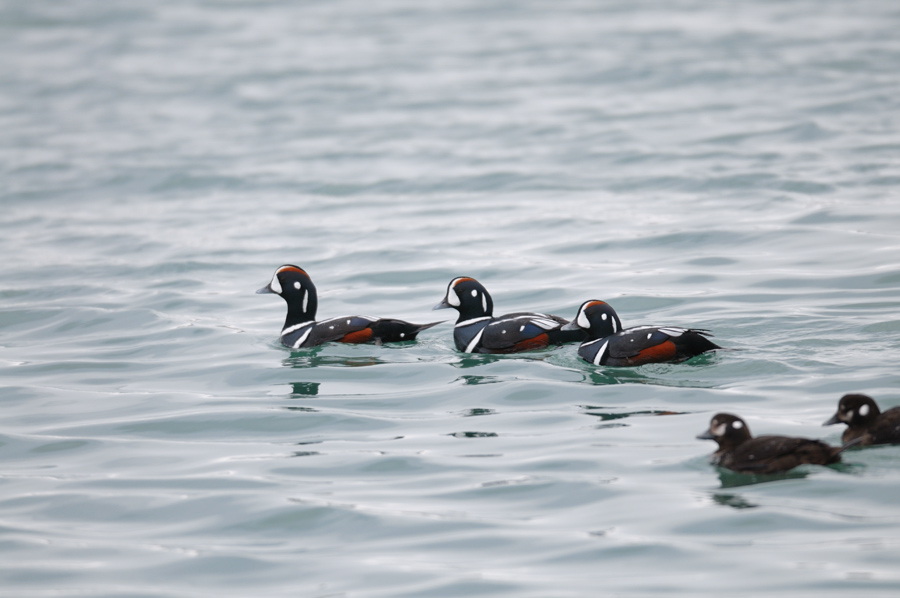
{"points": [[730, 166]]}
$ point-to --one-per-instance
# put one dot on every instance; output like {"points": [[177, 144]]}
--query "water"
{"points": [[727, 166]]}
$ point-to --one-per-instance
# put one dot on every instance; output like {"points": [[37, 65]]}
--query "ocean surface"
{"points": [[732, 166]]}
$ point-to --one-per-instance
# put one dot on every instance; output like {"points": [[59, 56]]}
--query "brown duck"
{"points": [[866, 423], [740, 452]]}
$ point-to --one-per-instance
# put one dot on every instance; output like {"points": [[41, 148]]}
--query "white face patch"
{"points": [[474, 292], [402, 335], [305, 300], [521, 329], [297, 285], [649, 336], [582, 320], [275, 285], [483, 302], [864, 410], [737, 425], [719, 430], [614, 325], [452, 297]]}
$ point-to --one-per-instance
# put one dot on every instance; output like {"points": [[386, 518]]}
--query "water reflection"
{"points": [[735, 501], [477, 411], [606, 415], [304, 389], [642, 375], [732, 479], [472, 360], [311, 358], [474, 380]]}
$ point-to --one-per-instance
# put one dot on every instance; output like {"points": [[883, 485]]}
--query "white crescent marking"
{"points": [[475, 341], [275, 285], [302, 338], [599, 356], [582, 320], [452, 297]]}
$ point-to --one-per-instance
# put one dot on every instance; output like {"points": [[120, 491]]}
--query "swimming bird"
{"points": [[608, 344], [742, 453], [301, 330], [478, 331], [866, 423]]}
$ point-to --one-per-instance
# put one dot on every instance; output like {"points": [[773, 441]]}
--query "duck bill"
{"points": [[834, 420], [442, 305], [570, 326], [265, 290], [707, 435]]}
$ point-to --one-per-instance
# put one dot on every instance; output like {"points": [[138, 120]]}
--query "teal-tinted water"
{"points": [[728, 166]]}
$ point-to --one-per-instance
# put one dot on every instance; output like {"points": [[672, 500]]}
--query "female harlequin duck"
{"points": [[866, 424], [301, 330], [478, 331], [608, 344], [742, 453]]}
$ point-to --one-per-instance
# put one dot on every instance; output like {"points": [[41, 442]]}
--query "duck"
{"points": [[740, 452], [608, 344], [301, 330], [478, 331], [866, 423]]}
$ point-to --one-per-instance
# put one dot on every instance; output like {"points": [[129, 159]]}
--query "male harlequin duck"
{"points": [[866, 423], [301, 330], [608, 344], [742, 453], [478, 331]]}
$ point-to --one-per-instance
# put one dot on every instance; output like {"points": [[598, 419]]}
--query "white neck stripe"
{"points": [[295, 327], [472, 321]]}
